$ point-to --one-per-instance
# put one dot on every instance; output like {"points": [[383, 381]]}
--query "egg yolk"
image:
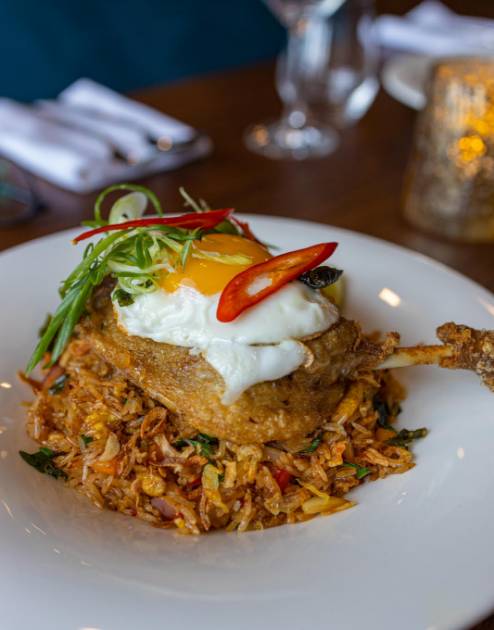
{"points": [[211, 276]]}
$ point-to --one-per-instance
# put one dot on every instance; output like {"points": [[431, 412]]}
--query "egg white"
{"points": [[262, 344]]}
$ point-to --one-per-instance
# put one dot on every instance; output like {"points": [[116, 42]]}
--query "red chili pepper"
{"points": [[282, 478], [204, 220], [240, 293], [192, 485], [246, 231]]}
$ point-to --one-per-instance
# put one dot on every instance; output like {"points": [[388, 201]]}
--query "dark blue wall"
{"points": [[126, 44]]}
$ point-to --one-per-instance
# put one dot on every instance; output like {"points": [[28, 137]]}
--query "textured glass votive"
{"points": [[450, 180]]}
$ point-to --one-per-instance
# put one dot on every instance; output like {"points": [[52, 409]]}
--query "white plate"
{"points": [[404, 78], [415, 553]]}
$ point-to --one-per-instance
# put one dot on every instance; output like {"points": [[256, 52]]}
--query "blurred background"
{"points": [[130, 44], [127, 44], [241, 98]]}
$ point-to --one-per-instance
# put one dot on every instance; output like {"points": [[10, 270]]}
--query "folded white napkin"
{"points": [[91, 136], [432, 29]]}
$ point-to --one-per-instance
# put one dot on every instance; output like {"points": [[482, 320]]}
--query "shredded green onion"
{"points": [[128, 207], [135, 258]]}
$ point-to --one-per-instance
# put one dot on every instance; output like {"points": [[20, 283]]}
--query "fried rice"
{"points": [[127, 452]]}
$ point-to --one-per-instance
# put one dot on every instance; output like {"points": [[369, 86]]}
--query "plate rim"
{"points": [[418, 256]]}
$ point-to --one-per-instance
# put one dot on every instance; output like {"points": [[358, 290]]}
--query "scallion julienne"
{"points": [[134, 255]]}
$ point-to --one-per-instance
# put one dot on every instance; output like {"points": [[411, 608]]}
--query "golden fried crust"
{"points": [[471, 350], [289, 407]]}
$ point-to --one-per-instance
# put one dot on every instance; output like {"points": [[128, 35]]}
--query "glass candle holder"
{"points": [[449, 187]]}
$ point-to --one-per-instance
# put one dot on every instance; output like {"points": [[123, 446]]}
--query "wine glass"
{"points": [[325, 77]]}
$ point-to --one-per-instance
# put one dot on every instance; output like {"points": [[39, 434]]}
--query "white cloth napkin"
{"points": [[91, 136], [432, 29]]}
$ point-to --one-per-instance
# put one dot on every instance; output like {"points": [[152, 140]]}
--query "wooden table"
{"points": [[359, 187]]}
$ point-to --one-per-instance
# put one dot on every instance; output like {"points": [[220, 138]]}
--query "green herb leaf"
{"points": [[84, 441], [135, 257], [59, 384], [313, 445], [405, 437], [132, 187], [202, 442], [42, 461], [189, 201], [362, 471], [122, 297], [207, 439], [184, 255], [44, 326], [383, 411]]}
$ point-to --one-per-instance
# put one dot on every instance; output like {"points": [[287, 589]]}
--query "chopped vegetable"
{"points": [[131, 206], [321, 277], [58, 384], [336, 292], [211, 483], [42, 460], [259, 281], [315, 505], [313, 445], [204, 221], [165, 508], [282, 478], [202, 442], [98, 219], [122, 297], [85, 440], [106, 468], [44, 325], [111, 450], [135, 255], [383, 411], [362, 471], [404, 437]]}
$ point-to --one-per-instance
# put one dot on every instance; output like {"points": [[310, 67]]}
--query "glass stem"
{"points": [[290, 75]]}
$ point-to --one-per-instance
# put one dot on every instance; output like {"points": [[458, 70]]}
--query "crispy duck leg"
{"points": [[290, 407], [463, 348]]}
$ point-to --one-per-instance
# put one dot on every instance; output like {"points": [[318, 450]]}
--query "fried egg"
{"points": [[262, 344]]}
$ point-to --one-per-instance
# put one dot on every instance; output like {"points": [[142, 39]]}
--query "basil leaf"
{"points": [[384, 412], [207, 439], [122, 297], [362, 471], [42, 461], [404, 437], [202, 442], [313, 445]]}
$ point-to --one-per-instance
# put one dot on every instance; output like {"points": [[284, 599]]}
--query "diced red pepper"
{"points": [[282, 478], [241, 292], [191, 221], [192, 485]]}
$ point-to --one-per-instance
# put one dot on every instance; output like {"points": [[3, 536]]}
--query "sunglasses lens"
{"points": [[17, 202]]}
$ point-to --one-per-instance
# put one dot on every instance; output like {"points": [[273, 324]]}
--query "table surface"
{"points": [[358, 187]]}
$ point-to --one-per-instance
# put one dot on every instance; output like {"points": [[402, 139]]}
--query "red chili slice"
{"points": [[192, 221], [246, 231], [282, 478], [240, 293]]}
